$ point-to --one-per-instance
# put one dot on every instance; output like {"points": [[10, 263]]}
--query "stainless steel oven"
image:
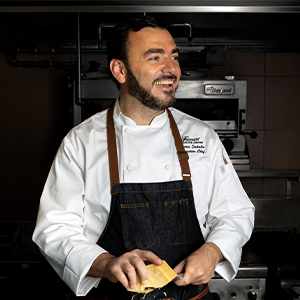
{"points": [[222, 105], [249, 283]]}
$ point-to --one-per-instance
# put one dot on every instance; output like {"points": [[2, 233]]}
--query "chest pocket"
{"points": [[178, 221], [137, 227]]}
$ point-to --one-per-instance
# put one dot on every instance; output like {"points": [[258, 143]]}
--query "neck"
{"points": [[136, 111]]}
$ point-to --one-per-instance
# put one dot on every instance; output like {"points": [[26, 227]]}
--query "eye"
{"points": [[154, 58], [175, 58]]}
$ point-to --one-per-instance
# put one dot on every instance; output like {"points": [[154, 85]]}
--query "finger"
{"points": [[185, 280], [132, 264], [137, 260], [180, 267], [122, 270], [143, 274], [138, 263], [120, 276], [150, 256], [131, 275], [140, 269]]}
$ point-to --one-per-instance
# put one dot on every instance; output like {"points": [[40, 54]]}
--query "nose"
{"points": [[170, 66]]}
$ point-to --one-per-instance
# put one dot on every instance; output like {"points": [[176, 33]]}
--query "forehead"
{"points": [[141, 41]]}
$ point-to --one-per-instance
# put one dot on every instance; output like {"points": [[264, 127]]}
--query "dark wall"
{"points": [[34, 119]]}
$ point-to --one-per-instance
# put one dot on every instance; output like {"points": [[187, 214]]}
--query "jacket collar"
{"points": [[158, 121]]}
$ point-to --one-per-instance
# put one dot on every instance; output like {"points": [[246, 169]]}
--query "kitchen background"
{"points": [[35, 118], [36, 101]]}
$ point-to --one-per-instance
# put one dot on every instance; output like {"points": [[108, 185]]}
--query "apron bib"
{"points": [[159, 217]]}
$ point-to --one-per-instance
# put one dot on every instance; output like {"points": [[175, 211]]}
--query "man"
{"points": [[123, 192]]}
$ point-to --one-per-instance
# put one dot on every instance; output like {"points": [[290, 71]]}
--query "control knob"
{"points": [[228, 144], [215, 296], [252, 295]]}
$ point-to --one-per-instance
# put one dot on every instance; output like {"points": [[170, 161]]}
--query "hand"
{"points": [[199, 267], [124, 267]]}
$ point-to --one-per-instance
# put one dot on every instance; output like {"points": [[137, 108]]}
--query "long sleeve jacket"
{"points": [[75, 203]]}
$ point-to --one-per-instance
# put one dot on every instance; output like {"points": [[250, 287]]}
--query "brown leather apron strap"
{"points": [[112, 148], [203, 293], [182, 154], [197, 297]]}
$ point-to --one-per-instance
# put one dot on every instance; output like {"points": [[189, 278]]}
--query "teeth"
{"points": [[163, 82]]}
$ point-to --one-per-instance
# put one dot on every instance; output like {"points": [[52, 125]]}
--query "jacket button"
{"points": [[127, 130], [129, 167], [167, 167], [164, 130]]}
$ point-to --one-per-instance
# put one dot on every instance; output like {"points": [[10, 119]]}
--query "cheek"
{"points": [[148, 77], [178, 73], [146, 74]]}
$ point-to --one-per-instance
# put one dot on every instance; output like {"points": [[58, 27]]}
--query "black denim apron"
{"points": [[159, 217]]}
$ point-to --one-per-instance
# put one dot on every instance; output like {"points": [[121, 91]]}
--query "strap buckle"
{"points": [[186, 175], [182, 155]]}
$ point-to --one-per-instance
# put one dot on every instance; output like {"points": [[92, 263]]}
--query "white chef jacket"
{"points": [[75, 203]]}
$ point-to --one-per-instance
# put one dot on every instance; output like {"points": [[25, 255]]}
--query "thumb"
{"points": [[185, 280], [180, 267]]}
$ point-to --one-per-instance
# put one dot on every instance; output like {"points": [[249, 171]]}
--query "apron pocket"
{"points": [[178, 221], [137, 226]]}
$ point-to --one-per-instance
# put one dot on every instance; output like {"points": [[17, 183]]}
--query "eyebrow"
{"points": [[159, 50]]}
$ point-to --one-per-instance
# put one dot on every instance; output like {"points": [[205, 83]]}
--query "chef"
{"points": [[142, 182]]}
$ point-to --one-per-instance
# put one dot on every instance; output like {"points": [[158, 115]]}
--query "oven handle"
{"points": [[253, 134]]}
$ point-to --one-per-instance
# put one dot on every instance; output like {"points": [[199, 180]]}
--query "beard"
{"points": [[145, 96]]}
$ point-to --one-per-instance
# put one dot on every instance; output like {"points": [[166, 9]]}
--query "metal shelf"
{"points": [[288, 174], [270, 173]]}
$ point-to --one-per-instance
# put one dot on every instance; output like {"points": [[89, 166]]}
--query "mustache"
{"points": [[171, 76]]}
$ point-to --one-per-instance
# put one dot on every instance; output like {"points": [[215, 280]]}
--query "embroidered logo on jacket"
{"points": [[193, 144]]}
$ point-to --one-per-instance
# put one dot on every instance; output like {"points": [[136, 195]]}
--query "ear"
{"points": [[118, 70]]}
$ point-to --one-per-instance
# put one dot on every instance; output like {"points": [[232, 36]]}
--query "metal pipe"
{"points": [[100, 32], [42, 63], [153, 9], [190, 37], [79, 101]]}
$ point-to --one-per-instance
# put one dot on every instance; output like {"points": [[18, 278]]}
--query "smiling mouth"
{"points": [[165, 82]]}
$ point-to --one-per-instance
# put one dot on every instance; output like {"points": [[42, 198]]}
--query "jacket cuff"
{"points": [[228, 267], [77, 265]]}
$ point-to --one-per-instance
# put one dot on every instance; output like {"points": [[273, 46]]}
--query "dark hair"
{"points": [[117, 40]]}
